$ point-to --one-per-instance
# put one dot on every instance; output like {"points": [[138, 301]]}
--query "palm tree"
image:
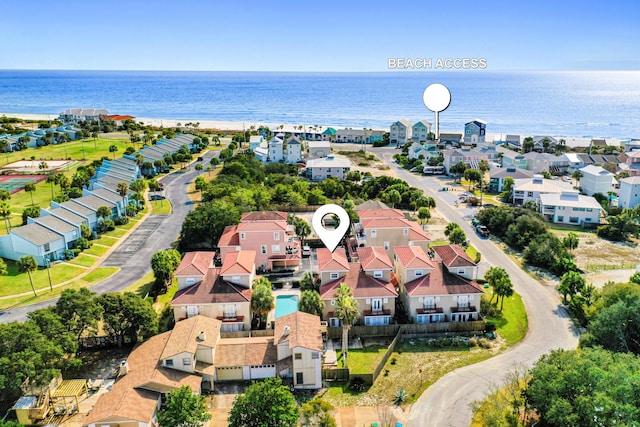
{"points": [[5, 212], [347, 312], [27, 264], [113, 149], [310, 302], [43, 166], [30, 188], [262, 298], [51, 179], [123, 189]]}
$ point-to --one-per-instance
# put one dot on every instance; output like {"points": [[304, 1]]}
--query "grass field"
{"points": [[90, 279], [364, 360], [160, 207], [512, 323], [97, 250], [84, 260], [16, 283]]}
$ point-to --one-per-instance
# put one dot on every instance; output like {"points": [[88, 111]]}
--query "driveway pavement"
{"points": [[447, 402], [133, 255]]}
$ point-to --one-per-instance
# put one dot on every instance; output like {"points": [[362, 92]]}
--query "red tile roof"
{"points": [[195, 263], [303, 331], [374, 258], [415, 231], [380, 213], [242, 262], [229, 236], [246, 352], [362, 285], [212, 290], [454, 256], [264, 216], [116, 117], [263, 226], [332, 261], [441, 282], [412, 257]]}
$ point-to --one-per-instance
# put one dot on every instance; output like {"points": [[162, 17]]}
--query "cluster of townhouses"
{"points": [[403, 132], [213, 342], [56, 230], [36, 138]]}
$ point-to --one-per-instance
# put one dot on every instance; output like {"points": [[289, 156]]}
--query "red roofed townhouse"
{"points": [[193, 268], [331, 265], [376, 298], [117, 118], [457, 261], [269, 235], [430, 293], [223, 293], [389, 228], [375, 262]]}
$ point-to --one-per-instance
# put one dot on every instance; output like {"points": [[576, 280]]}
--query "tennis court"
{"points": [[15, 183]]}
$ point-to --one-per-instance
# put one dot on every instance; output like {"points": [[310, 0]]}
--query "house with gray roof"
{"points": [[497, 176], [69, 231], [95, 203], [108, 196], [629, 192], [475, 132], [79, 209], [33, 239], [65, 215]]}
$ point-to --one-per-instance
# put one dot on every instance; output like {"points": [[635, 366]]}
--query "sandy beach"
{"points": [[288, 127]]}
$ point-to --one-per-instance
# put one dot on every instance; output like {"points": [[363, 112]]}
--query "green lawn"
{"points": [[16, 283], [90, 279], [511, 323], [106, 240], [160, 207], [84, 260], [364, 360], [438, 243], [97, 250], [117, 233], [142, 286]]}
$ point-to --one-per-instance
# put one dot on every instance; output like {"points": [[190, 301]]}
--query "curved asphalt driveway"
{"points": [[447, 402], [133, 255]]}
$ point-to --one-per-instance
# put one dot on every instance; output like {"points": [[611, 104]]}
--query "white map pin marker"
{"points": [[330, 238], [436, 97]]}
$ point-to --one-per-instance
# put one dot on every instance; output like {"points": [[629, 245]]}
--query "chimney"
{"points": [[202, 336], [286, 331], [124, 368]]}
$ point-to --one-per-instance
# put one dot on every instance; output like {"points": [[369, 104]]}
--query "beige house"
{"points": [[430, 293], [298, 339], [193, 268], [375, 262], [136, 396], [245, 359], [386, 228], [239, 268], [331, 265], [376, 298], [457, 261], [216, 297]]}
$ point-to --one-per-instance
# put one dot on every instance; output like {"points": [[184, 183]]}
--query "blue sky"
{"points": [[328, 35]]}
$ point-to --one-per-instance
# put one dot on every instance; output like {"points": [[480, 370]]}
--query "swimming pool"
{"points": [[286, 304]]}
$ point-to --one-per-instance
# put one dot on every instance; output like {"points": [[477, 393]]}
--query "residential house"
{"points": [[633, 162], [117, 119], [513, 141], [276, 150], [596, 180], [540, 162], [425, 150], [264, 216], [350, 135], [498, 175], [109, 196], [386, 228], [274, 242], [33, 239], [298, 339], [531, 189], [475, 132], [491, 151], [400, 132], [247, 359], [294, 150], [214, 297], [629, 196], [326, 167], [544, 143], [165, 362], [457, 261], [570, 207], [76, 115], [511, 158], [420, 131], [255, 141], [450, 138], [70, 232], [375, 298], [331, 265], [193, 268], [239, 268], [432, 294], [318, 149], [329, 134], [469, 156], [573, 161], [375, 262]]}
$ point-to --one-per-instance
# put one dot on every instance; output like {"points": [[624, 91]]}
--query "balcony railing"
{"points": [[429, 310], [230, 319], [463, 308], [383, 312]]}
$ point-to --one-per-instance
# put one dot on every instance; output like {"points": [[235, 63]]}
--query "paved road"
{"points": [[447, 402], [133, 255]]}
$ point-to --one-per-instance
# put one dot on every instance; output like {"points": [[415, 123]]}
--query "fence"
{"points": [[409, 329], [335, 374], [247, 334]]}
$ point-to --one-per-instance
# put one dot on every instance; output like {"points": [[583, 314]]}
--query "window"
{"points": [[386, 246], [419, 273], [374, 233], [190, 281], [299, 378], [405, 231], [315, 355], [263, 249], [334, 275], [530, 194], [574, 219], [461, 272], [429, 303], [243, 236], [560, 218], [377, 274], [298, 356], [186, 361], [235, 279], [275, 249], [47, 248], [276, 236], [75, 233], [168, 362], [376, 305]]}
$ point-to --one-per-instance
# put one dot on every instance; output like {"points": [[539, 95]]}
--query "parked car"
{"points": [[157, 197], [306, 251], [482, 230]]}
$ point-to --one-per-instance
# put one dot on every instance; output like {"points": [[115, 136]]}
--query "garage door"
{"points": [[229, 374], [263, 371]]}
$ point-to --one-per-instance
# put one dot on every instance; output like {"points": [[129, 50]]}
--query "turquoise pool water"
{"points": [[286, 304]]}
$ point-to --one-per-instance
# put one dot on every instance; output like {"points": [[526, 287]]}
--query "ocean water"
{"points": [[581, 104]]}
